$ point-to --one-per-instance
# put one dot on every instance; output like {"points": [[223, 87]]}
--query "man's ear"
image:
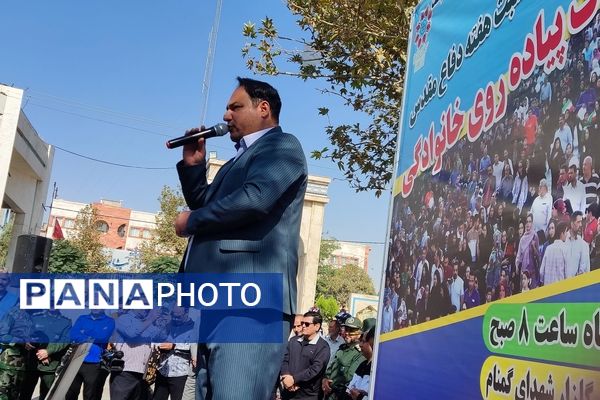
{"points": [[264, 108]]}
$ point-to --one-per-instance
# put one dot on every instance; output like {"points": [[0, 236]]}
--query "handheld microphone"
{"points": [[217, 130]]}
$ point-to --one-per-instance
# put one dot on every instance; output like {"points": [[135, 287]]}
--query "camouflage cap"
{"points": [[352, 323]]}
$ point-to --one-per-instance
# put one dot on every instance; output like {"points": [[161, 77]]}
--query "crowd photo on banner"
{"points": [[515, 210]]}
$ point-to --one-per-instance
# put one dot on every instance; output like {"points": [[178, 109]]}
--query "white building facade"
{"points": [[25, 168]]}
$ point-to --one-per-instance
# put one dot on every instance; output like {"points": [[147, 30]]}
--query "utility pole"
{"points": [[212, 43], [54, 194]]}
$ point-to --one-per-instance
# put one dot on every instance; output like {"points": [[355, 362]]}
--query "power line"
{"points": [[147, 168], [99, 119], [104, 110], [114, 123], [100, 109], [107, 121], [108, 162], [145, 130]]}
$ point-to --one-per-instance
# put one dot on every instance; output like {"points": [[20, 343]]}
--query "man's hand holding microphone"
{"points": [[194, 153]]}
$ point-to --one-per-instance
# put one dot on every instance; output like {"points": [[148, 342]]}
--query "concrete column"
{"points": [[311, 229]]}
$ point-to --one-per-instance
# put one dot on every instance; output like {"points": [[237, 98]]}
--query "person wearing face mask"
{"points": [[175, 356]]}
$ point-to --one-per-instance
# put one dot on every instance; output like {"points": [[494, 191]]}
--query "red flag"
{"points": [[57, 233]]}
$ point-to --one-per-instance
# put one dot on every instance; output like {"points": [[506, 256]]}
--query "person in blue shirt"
{"points": [[95, 327], [7, 299]]}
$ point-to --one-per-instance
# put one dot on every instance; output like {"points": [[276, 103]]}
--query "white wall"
{"points": [[25, 167]]}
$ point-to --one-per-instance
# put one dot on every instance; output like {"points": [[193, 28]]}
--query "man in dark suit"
{"points": [[246, 221]]}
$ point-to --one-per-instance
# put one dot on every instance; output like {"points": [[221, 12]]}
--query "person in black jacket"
{"points": [[305, 361]]}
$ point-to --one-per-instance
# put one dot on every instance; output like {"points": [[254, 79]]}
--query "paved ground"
{"points": [[105, 393]]}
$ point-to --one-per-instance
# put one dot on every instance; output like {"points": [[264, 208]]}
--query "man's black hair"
{"points": [[259, 91], [575, 215], [317, 318]]}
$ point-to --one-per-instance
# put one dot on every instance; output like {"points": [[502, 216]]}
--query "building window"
{"points": [[134, 232], [69, 223], [102, 226], [147, 234], [121, 230]]}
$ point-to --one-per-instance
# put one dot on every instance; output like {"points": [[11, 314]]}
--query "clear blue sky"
{"points": [[91, 67]]}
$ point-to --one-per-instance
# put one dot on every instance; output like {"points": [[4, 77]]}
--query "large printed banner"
{"points": [[491, 289]]}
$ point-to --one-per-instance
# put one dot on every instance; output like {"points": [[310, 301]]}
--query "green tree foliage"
{"points": [[5, 237], [328, 246], [325, 271], [357, 48], [164, 241], [340, 282], [324, 277], [348, 279], [163, 265], [66, 258], [87, 240], [328, 306]]}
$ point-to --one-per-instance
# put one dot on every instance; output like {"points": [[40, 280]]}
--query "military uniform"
{"points": [[51, 332], [15, 328], [344, 365], [346, 361]]}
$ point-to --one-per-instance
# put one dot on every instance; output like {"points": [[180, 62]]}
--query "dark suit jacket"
{"points": [[248, 219]]}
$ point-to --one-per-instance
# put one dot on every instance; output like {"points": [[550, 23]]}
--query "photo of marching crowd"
{"points": [[512, 211]]}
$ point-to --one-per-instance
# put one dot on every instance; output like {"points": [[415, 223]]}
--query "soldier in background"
{"points": [[15, 329], [51, 334], [346, 361]]}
